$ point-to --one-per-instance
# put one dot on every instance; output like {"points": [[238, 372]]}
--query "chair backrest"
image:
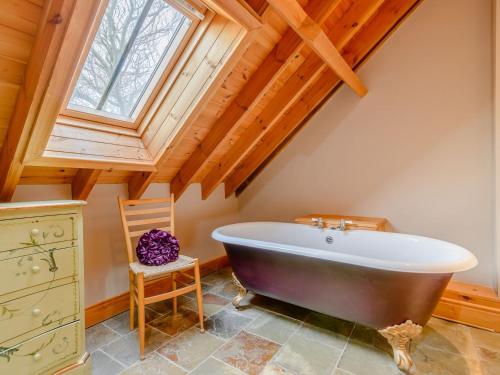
{"points": [[141, 215]]}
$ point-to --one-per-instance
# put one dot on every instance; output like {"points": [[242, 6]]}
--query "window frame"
{"points": [[188, 9]]}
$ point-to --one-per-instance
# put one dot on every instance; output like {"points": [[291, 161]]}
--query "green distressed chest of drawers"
{"points": [[42, 325]]}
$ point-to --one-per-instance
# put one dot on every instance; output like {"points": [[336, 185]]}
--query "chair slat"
{"points": [[139, 233], [148, 211], [136, 202], [154, 220]]}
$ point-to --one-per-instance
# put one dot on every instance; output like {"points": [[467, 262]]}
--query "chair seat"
{"points": [[150, 271]]}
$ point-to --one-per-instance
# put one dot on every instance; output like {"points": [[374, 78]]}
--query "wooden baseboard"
{"points": [[473, 305], [115, 305]]}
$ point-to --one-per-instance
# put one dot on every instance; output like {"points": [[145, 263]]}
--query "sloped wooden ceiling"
{"points": [[274, 81]]}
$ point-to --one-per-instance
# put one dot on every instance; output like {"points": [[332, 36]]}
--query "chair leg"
{"points": [[132, 299], [199, 298], [174, 286], [142, 319]]}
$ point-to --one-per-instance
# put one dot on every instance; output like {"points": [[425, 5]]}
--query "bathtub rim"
{"points": [[363, 261]]}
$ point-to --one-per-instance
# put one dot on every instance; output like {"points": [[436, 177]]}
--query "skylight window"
{"points": [[131, 49]]}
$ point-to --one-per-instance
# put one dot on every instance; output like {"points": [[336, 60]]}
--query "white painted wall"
{"points": [[416, 150], [106, 263]]}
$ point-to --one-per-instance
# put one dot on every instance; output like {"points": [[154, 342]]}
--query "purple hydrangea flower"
{"points": [[157, 247]]}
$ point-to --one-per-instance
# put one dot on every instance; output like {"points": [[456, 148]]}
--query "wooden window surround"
{"points": [[195, 16], [78, 139]]}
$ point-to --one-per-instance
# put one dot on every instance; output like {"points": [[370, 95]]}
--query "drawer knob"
{"points": [[36, 312], [35, 269], [37, 356], [35, 232]]}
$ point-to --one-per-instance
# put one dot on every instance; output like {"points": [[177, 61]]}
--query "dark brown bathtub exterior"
{"points": [[372, 297]]}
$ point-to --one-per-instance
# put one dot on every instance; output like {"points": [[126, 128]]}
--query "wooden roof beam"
{"points": [[287, 96], [237, 10], [138, 184], [263, 78], [318, 41], [372, 33], [83, 183], [282, 101], [54, 19]]}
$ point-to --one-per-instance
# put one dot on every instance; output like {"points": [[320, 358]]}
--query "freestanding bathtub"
{"points": [[387, 281]]}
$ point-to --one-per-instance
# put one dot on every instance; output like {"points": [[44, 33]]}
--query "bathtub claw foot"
{"points": [[399, 337], [242, 291]]}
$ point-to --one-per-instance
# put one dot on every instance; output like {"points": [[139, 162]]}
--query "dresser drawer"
{"points": [[37, 232], [42, 310], [30, 270], [43, 354]]}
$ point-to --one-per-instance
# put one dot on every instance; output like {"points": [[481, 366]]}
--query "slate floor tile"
{"points": [[173, 325], [226, 324], [102, 364], [361, 359], [307, 355], [126, 348], [154, 364], [248, 352], [212, 303], [277, 328], [99, 335], [215, 367], [190, 348], [431, 361], [121, 322], [327, 330]]}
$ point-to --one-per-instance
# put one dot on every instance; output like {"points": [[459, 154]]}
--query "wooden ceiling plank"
{"points": [[237, 10], [49, 39], [83, 183], [77, 31], [281, 102], [234, 55], [356, 50], [265, 75], [318, 41]]}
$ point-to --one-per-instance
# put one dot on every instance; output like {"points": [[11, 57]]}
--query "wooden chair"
{"points": [[133, 215]]}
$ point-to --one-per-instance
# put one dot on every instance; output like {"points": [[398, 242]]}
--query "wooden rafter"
{"points": [[83, 183], [318, 41], [235, 125], [48, 41], [286, 98], [237, 10], [138, 184], [265, 75], [372, 33], [259, 6], [281, 102]]}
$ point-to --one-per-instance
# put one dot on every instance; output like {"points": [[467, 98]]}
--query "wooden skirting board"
{"points": [[115, 305], [473, 305]]}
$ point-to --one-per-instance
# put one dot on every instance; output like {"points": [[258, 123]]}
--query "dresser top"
{"points": [[39, 204]]}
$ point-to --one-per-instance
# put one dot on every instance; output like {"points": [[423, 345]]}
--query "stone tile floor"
{"points": [[270, 337]]}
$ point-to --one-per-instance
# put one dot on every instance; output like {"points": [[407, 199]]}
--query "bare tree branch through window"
{"points": [[134, 41]]}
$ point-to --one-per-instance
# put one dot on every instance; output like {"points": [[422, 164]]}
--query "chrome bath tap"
{"points": [[342, 225], [318, 222]]}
